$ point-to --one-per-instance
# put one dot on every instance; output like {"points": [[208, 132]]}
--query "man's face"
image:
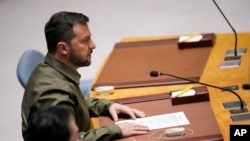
{"points": [[81, 46]]}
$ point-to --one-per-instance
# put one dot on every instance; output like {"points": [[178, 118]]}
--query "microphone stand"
{"points": [[232, 58], [241, 110], [236, 51], [235, 45]]}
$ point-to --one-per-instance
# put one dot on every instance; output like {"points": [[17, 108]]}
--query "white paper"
{"points": [[195, 39], [190, 92], [161, 121]]}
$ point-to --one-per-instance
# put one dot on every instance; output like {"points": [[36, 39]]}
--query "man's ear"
{"points": [[63, 48]]}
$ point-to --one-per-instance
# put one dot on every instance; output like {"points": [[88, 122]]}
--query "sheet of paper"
{"points": [[162, 121], [194, 39], [188, 93]]}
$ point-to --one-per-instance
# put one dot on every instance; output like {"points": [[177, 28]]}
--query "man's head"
{"points": [[51, 123], [69, 38]]}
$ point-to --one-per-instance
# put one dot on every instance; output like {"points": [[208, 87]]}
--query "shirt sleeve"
{"points": [[58, 98], [98, 106], [107, 133]]}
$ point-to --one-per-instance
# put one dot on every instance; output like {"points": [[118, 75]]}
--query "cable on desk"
{"points": [[163, 136]]}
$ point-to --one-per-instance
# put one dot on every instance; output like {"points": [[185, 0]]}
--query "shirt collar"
{"points": [[62, 68]]}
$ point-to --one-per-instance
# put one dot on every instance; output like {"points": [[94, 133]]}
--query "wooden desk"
{"points": [[129, 64], [212, 74], [229, 76]]}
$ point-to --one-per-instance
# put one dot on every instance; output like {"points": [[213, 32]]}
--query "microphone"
{"points": [[246, 86], [156, 74], [229, 52]]}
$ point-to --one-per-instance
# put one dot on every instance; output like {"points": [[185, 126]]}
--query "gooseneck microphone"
{"points": [[235, 34], [156, 74], [246, 86]]}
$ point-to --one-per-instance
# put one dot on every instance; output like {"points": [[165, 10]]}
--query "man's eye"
{"points": [[86, 40]]}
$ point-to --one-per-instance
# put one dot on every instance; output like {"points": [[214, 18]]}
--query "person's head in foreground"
{"points": [[51, 123]]}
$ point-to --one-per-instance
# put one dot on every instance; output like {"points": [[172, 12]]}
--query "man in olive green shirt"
{"points": [[56, 81]]}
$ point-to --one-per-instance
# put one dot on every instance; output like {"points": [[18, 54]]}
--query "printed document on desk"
{"points": [[161, 121]]}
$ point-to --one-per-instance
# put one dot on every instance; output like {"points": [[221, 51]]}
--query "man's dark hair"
{"points": [[48, 123], [60, 28]]}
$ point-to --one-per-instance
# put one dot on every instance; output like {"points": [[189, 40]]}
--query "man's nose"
{"points": [[92, 44]]}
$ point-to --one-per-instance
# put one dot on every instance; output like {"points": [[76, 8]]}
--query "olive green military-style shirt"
{"points": [[54, 83]]}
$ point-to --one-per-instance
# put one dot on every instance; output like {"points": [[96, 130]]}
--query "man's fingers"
{"points": [[114, 115], [131, 129], [131, 114], [140, 128], [139, 113]]}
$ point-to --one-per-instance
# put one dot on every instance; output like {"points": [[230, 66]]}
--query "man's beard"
{"points": [[78, 61]]}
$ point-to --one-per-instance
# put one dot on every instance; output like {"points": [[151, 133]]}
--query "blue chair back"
{"points": [[28, 61], [85, 86]]}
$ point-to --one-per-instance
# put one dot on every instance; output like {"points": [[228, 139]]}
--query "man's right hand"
{"points": [[132, 129]]}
